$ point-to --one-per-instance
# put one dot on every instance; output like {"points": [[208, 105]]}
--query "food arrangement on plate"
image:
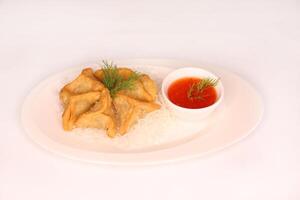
{"points": [[115, 98], [142, 111]]}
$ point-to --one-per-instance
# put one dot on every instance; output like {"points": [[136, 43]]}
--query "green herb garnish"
{"points": [[114, 81], [199, 87]]}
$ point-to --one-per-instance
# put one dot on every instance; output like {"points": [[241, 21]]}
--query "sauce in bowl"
{"points": [[178, 93]]}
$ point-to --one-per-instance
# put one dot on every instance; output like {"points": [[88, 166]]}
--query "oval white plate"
{"points": [[239, 114]]}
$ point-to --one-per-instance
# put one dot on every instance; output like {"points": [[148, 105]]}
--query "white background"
{"points": [[258, 40]]}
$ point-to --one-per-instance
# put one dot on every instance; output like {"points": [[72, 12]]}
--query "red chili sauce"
{"points": [[178, 94]]}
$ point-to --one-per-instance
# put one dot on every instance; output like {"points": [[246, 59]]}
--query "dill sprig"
{"points": [[114, 81], [110, 75], [200, 86]]}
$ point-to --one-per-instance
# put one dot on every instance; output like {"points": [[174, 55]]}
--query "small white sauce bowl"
{"points": [[187, 113]]}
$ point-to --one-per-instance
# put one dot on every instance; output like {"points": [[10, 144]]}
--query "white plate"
{"points": [[238, 115]]}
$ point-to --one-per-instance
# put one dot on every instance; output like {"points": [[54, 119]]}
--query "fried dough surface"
{"points": [[97, 120], [77, 105], [145, 88], [100, 115], [85, 82], [129, 110]]}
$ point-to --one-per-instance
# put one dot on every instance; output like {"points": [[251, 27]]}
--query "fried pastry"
{"points": [[129, 110], [144, 88], [90, 102], [97, 120], [149, 86], [77, 105], [100, 115], [85, 82]]}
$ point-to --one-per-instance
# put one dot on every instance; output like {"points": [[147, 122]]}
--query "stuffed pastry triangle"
{"points": [[77, 105], [129, 110], [85, 82], [100, 115], [144, 87]]}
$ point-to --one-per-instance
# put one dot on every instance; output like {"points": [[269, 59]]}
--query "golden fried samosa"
{"points": [[144, 88], [137, 92], [100, 115], [97, 120], [85, 82], [149, 86], [129, 110], [103, 103], [77, 105]]}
